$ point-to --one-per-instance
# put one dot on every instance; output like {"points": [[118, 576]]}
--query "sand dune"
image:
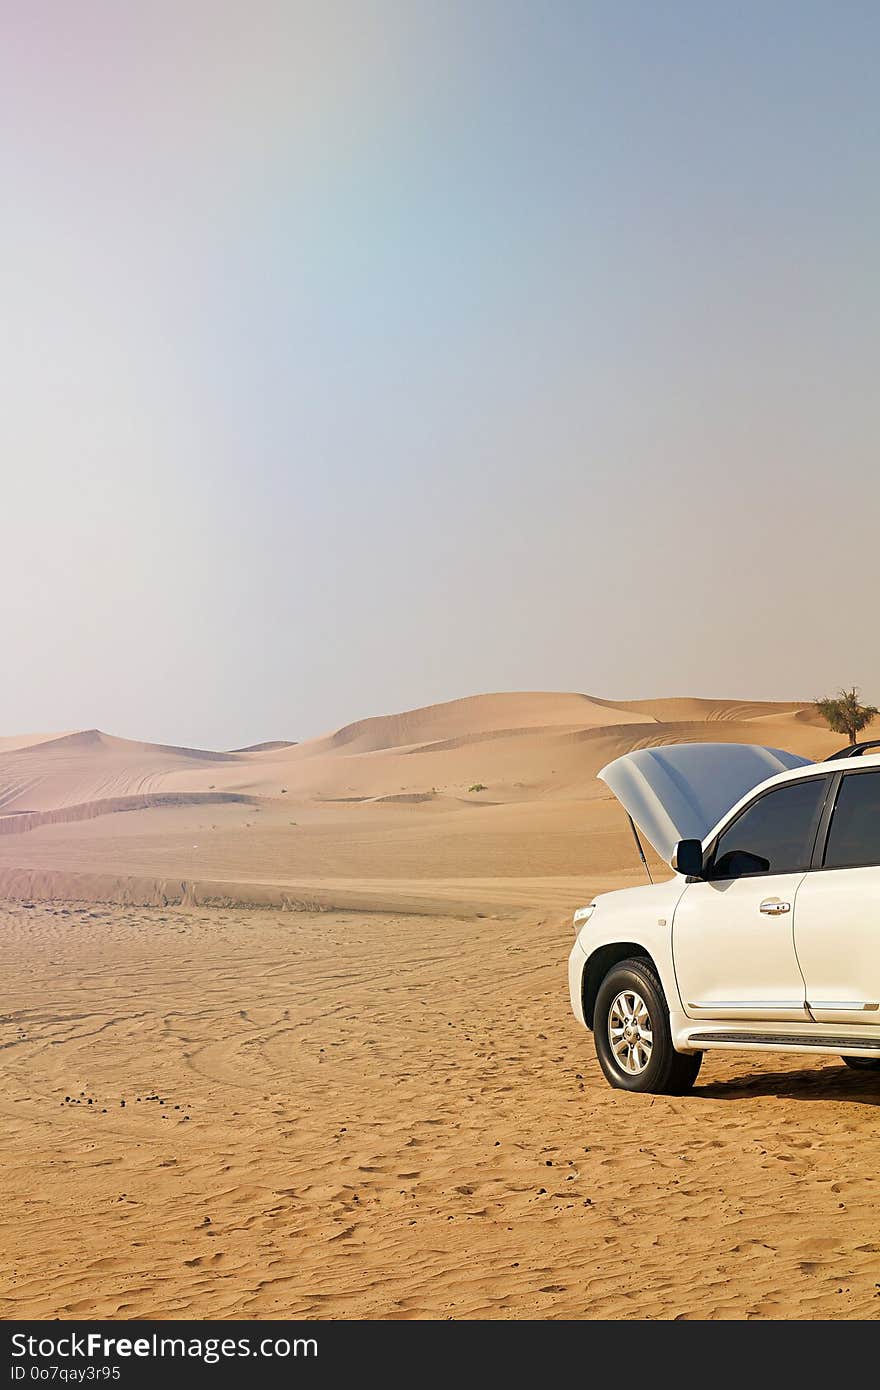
{"points": [[13, 742], [71, 769], [675, 711], [477, 714], [388, 798], [272, 745], [369, 1098]]}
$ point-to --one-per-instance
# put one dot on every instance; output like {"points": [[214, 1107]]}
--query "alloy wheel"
{"points": [[629, 1032]]}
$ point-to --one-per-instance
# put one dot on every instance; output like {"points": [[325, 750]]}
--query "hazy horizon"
{"points": [[355, 718], [364, 356]]}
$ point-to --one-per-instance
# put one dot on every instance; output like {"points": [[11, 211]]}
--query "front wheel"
{"points": [[631, 1031], [862, 1063]]}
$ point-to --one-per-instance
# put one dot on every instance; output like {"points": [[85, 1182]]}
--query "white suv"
{"points": [[768, 935]]}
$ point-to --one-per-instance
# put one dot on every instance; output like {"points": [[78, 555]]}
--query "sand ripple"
{"points": [[374, 1116]]}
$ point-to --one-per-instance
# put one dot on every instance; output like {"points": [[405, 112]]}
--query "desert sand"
{"points": [[285, 1031]]}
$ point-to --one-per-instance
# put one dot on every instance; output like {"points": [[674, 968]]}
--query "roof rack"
{"points": [[853, 750]]}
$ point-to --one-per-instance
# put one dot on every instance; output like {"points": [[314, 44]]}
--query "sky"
{"points": [[357, 356]]}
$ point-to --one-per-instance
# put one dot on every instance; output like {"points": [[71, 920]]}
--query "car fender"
{"points": [[630, 921]]}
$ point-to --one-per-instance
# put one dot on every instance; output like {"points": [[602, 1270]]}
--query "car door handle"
{"points": [[774, 907]]}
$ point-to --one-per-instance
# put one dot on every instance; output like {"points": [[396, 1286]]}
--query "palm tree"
{"points": [[844, 714]]}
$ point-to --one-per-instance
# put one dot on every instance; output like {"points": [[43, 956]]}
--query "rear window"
{"points": [[854, 837]]}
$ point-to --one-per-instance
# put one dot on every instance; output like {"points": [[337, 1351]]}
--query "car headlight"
{"points": [[583, 916]]}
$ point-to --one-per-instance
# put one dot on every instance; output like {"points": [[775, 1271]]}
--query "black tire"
{"points": [[862, 1063], [667, 1072]]}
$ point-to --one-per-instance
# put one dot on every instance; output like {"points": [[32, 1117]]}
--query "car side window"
{"points": [[854, 836], [775, 834]]}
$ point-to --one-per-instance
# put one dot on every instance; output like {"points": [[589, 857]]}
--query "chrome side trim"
{"points": [[756, 1004], [845, 1006]]}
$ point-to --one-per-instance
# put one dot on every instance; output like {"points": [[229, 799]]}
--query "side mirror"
{"points": [[738, 863], [687, 858]]}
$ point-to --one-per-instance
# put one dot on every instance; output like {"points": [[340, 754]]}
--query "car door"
{"points": [[733, 938], [837, 922]]}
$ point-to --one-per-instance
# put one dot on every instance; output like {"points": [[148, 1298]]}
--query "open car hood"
{"points": [[681, 791]]}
